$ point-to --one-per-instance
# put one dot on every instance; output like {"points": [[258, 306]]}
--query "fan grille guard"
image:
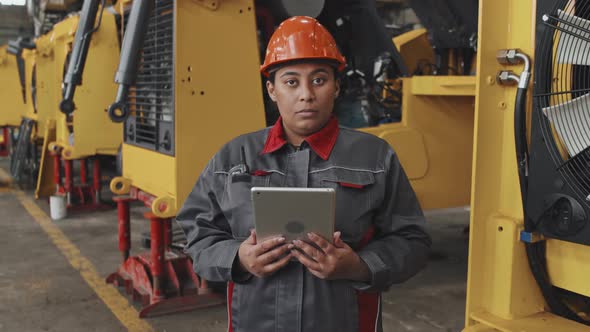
{"points": [[562, 91]]}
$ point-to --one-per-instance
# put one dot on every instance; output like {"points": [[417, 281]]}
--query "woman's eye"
{"points": [[318, 81], [290, 82]]}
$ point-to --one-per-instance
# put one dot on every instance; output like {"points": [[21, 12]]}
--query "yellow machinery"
{"points": [[529, 271], [51, 52], [38, 119], [435, 135], [182, 109], [434, 138], [88, 133], [37, 127], [178, 112], [12, 103], [24, 159], [46, 91], [194, 97], [30, 109]]}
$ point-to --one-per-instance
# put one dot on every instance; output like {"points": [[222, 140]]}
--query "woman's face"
{"points": [[305, 94]]}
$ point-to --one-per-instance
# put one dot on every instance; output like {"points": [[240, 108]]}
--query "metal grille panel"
{"points": [[151, 124], [562, 91]]}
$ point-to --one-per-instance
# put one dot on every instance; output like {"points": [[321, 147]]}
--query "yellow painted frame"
{"points": [[92, 133], [30, 57], [434, 138], [413, 47], [208, 111], [13, 106], [46, 89], [88, 131], [501, 292], [433, 141]]}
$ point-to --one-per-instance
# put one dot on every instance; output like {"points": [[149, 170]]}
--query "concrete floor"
{"points": [[41, 291]]}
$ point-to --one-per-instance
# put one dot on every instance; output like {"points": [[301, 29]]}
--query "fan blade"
{"points": [[571, 120], [570, 48]]}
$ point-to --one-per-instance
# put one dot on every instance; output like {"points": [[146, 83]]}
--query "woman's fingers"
{"points": [[273, 254], [304, 259], [311, 251], [277, 265], [268, 245], [324, 244]]}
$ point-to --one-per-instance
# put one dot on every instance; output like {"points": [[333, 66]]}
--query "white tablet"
{"points": [[293, 212]]}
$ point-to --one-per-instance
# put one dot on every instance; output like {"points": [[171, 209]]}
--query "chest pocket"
{"points": [[239, 201], [354, 191]]}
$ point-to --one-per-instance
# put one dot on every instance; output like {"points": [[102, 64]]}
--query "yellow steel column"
{"points": [[12, 106], [501, 292]]}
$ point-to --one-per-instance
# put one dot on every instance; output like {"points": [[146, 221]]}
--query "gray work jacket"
{"points": [[373, 196]]}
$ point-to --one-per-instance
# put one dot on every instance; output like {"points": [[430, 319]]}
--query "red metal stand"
{"points": [[96, 180], [57, 173], [69, 181], [124, 226], [82, 196], [83, 181], [5, 145], [163, 280]]}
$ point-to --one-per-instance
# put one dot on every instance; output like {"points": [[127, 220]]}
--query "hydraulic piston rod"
{"points": [[129, 60]]}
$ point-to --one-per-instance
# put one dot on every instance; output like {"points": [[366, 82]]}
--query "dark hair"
{"points": [[272, 71]]}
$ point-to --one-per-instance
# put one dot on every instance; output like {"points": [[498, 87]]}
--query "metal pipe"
{"points": [[57, 172], [157, 257], [513, 57], [124, 227], [130, 56], [31, 8], [507, 77], [525, 59], [167, 233], [96, 183], [79, 53], [15, 47], [69, 181], [525, 76]]}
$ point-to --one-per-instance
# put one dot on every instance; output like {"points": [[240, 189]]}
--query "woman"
{"points": [[379, 239]]}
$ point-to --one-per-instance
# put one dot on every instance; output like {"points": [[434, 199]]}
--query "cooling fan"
{"points": [[558, 199], [556, 189]]}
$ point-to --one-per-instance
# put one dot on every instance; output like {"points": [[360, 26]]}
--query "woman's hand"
{"points": [[265, 258], [330, 261]]}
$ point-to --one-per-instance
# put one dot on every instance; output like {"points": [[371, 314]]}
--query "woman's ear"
{"points": [[337, 91], [270, 88]]}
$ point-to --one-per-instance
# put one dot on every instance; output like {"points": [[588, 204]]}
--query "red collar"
{"points": [[322, 142]]}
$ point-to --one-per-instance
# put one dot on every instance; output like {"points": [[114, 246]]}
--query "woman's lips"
{"points": [[306, 113]]}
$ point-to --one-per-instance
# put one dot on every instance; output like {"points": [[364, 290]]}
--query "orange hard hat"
{"points": [[299, 38]]}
